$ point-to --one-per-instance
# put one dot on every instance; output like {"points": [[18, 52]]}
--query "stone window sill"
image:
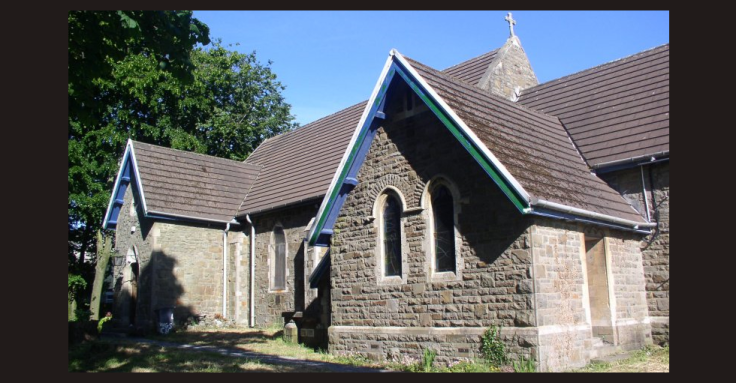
{"points": [[392, 280], [445, 276]]}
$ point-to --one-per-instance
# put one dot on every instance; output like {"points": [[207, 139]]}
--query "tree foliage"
{"points": [[140, 75]]}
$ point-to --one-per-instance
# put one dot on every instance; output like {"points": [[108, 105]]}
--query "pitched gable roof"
{"points": [[534, 147], [299, 165], [615, 111], [180, 184], [527, 153]]}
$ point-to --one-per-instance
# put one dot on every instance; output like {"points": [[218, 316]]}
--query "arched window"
{"points": [[443, 238], [391, 236], [279, 266]]}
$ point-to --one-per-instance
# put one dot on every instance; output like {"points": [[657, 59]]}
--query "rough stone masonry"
{"points": [[521, 273]]}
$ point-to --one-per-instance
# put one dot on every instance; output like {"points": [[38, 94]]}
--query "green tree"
{"points": [[98, 41], [137, 81]]}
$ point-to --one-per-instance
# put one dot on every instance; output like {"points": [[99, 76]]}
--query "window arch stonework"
{"points": [[278, 255], [441, 203], [390, 248]]}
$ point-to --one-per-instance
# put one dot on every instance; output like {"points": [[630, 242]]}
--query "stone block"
{"points": [[446, 296]]}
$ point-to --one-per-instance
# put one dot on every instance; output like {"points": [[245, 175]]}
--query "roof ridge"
{"points": [[483, 92], [301, 128], [206, 156], [649, 50], [294, 141], [470, 59], [247, 193]]}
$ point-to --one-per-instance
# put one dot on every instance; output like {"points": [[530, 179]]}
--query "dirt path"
{"points": [[263, 358]]}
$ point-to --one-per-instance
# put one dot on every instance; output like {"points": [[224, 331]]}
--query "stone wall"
{"points": [[271, 305], [313, 258], [125, 240], [493, 284], [180, 265], [524, 274], [562, 297], [239, 276], [655, 248], [633, 330], [510, 72]]}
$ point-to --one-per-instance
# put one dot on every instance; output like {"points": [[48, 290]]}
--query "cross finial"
{"points": [[512, 22]]}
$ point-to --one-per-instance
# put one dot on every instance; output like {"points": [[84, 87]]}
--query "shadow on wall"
{"points": [[490, 224], [146, 296], [313, 326], [299, 278]]}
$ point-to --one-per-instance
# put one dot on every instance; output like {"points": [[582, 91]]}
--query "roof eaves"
{"points": [[179, 217], [533, 200], [272, 208]]}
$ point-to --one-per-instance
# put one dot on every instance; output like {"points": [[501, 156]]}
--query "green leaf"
{"points": [[209, 100], [127, 21]]}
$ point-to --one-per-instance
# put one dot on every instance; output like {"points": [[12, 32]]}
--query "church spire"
{"points": [[510, 71]]}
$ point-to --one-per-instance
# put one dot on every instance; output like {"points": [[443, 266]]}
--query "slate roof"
{"points": [[471, 71], [533, 146], [190, 184], [299, 165], [614, 111]]}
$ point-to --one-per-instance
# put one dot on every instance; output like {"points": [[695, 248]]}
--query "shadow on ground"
{"points": [[216, 352], [222, 338], [128, 356]]}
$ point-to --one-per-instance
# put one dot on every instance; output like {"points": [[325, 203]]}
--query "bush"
{"points": [[101, 323], [76, 285], [492, 348]]}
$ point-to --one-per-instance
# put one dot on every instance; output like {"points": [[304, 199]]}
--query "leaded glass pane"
{"points": [[279, 277], [444, 229], [392, 237]]}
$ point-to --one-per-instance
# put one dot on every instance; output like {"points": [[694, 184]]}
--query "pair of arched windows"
{"points": [[441, 231]]}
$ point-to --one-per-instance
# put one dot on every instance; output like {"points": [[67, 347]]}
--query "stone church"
{"points": [[452, 200]]}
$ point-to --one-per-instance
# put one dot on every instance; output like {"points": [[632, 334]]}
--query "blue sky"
{"points": [[331, 60]]}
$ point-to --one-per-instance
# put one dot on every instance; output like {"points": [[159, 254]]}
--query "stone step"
{"points": [[600, 348], [612, 357]]}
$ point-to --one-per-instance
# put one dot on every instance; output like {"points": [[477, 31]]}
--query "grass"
{"points": [[117, 356], [650, 359], [104, 356]]}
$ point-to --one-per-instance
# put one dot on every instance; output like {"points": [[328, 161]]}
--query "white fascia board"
{"points": [[138, 177], [353, 140], [159, 214], [116, 185], [466, 130], [590, 214]]}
